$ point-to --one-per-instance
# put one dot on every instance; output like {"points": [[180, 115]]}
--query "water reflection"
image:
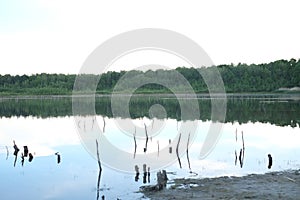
{"points": [[170, 147], [145, 173], [23, 159], [148, 174], [277, 109], [23, 155], [30, 157], [26, 151], [137, 173], [79, 176]]}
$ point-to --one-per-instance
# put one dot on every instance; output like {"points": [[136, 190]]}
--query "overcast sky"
{"points": [[56, 36]]}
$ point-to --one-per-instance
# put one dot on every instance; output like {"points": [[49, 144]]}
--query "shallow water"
{"points": [[76, 176]]}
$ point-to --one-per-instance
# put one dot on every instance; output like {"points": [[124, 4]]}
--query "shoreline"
{"points": [[271, 185]]}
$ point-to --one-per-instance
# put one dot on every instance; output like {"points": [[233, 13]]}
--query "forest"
{"points": [[241, 78]]}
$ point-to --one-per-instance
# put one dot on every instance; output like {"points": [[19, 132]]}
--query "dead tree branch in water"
{"points": [[187, 152], [100, 170], [135, 145], [16, 150], [170, 147], [243, 146], [93, 122], [145, 149], [243, 140], [241, 159], [235, 162], [242, 152], [58, 157], [98, 155], [177, 153], [104, 125], [7, 152], [157, 148], [152, 124]]}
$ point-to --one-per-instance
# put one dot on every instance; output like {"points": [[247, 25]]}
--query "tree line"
{"points": [[240, 78]]}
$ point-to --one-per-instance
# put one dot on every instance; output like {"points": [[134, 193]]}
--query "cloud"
{"points": [[42, 136]]}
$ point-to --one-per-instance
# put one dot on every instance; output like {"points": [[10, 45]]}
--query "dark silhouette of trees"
{"points": [[257, 108], [240, 78]]}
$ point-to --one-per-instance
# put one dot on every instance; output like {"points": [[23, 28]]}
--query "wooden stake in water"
{"points": [[7, 152], [100, 170], [157, 148], [242, 152], [145, 149], [177, 153], [135, 145], [104, 124], [187, 152]]}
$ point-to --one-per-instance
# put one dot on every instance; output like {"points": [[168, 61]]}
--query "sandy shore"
{"points": [[275, 185]]}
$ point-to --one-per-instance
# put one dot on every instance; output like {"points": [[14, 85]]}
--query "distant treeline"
{"points": [[239, 78]]}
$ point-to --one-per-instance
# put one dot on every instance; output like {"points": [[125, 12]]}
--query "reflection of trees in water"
{"points": [[239, 109]]}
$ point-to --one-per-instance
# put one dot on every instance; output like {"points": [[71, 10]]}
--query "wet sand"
{"points": [[274, 185]]}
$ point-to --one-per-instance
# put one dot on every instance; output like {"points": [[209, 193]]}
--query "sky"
{"points": [[57, 36]]}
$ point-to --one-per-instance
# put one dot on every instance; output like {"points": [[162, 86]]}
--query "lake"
{"points": [[48, 151]]}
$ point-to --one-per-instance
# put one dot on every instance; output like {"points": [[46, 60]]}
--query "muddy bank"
{"points": [[274, 185]]}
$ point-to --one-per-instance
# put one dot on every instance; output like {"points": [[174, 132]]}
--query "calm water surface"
{"points": [[62, 167]]}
